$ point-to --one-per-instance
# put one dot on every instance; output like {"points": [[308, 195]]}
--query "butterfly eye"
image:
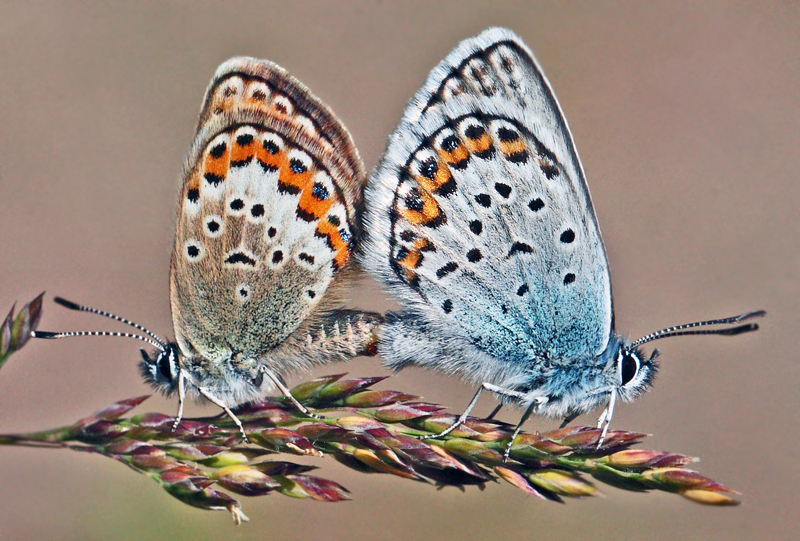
{"points": [[629, 368], [165, 365]]}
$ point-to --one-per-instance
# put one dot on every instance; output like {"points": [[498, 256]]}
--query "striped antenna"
{"points": [[680, 330]]}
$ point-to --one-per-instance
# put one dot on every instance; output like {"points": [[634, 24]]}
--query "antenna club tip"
{"points": [[66, 304], [44, 334]]}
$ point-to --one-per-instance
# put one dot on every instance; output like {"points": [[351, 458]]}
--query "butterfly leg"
{"points": [[288, 394], [517, 430], [569, 418], [460, 420], [181, 400], [214, 400], [604, 421], [495, 411]]}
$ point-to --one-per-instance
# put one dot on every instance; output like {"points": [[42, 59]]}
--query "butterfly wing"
{"points": [[267, 213], [479, 217]]}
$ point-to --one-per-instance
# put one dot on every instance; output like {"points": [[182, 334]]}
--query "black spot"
{"points": [[460, 164], [193, 251], [427, 246], [504, 308], [259, 95], [334, 220], [305, 215], [447, 306], [244, 139], [485, 154], [271, 147], [243, 293], [476, 227], [307, 258], [320, 192], [291, 189], [506, 135], [414, 200], [281, 108], [567, 236], [475, 132], [520, 247], [484, 200], [297, 166], [548, 168], [193, 195], [311, 293], [536, 204], [569, 278], [407, 236], [218, 150], [503, 189], [272, 232], [277, 256], [522, 290], [450, 143], [474, 255], [230, 91], [267, 167], [447, 269], [518, 157], [257, 210], [239, 257], [213, 179], [446, 189], [237, 204], [213, 226], [429, 168]]}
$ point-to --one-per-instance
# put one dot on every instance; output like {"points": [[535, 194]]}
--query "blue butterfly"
{"points": [[480, 222]]}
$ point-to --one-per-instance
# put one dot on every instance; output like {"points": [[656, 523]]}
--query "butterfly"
{"points": [[267, 222], [480, 222]]}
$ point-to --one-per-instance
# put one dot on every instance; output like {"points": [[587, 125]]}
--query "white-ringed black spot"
{"points": [[311, 293], [503, 189], [475, 132], [320, 192], [277, 256], [213, 226], [520, 248], [429, 168], [243, 292], [244, 139], [507, 135], [408, 236], [259, 95], [192, 251], [271, 232], [522, 290], [271, 147], [218, 150], [569, 278], [450, 143], [414, 200], [567, 236], [446, 269], [237, 204], [484, 200], [297, 166], [536, 204], [193, 195], [474, 255], [476, 226], [256, 211], [447, 306]]}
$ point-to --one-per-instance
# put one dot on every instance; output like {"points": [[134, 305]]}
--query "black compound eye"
{"points": [[164, 367], [629, 369]]}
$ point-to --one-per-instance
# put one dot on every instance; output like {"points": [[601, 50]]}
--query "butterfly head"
{"points": [[162, 370], [632, 373]]}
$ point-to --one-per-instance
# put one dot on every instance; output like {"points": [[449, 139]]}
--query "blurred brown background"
{"points": [[685, 116]]}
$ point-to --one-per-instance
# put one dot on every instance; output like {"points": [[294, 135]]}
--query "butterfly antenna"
{"points": [[680, 330], [54, 335], [81, 308]]}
